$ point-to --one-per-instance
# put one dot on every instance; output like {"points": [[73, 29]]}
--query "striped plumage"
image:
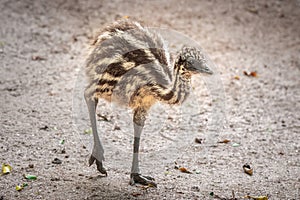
{"points": [[131, 65]]}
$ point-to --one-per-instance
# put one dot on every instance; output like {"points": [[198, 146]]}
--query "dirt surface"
{"points": [[43, 45]]}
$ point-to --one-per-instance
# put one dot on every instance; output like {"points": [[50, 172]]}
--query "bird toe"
{"points": [[99, 164], [143, 180]]}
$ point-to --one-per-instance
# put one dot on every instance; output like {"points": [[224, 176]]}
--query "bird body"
{"points": [[128, 60], [131, 65]]}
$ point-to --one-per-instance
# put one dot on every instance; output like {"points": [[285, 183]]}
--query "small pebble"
{"points": [[116, 128], [199, 140], [235, 145], [56, 161], [55, 179], [45, 128], [195, 188]]}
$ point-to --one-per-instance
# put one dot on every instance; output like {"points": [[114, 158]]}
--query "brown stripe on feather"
{"points": [[102, 90], [115, 69], [138, 56], [108, 82], [159, 54], [155, 88], [168, 96]]}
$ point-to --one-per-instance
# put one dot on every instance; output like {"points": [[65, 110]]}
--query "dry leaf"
{"points": [[253, 73], [6, 168], [88, 131], [152, 185], [30, 177], [103, 118], [252, 10], [136, 194], [21, 186], [236, 78], [257, 197], [184, 170], [247, 169], [38, 58], [225, 141], [62, 141]]}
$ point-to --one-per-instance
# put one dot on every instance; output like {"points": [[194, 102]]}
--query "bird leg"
{"points": [[135, 176], [98, 151]]}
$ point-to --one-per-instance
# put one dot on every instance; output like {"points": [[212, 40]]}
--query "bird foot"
{"points": [[100, 167], [144, 180]]}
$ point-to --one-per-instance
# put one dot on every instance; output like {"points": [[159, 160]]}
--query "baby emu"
{"points": [[130, 65]]}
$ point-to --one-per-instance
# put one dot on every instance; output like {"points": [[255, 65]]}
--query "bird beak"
{"points": [[198, 66]]}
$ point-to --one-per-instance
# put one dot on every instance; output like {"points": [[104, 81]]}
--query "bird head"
{"points": [[193, 60]]}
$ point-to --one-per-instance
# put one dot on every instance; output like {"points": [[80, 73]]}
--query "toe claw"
{"points": [[99, 164], [144, 180], [100, 168]]}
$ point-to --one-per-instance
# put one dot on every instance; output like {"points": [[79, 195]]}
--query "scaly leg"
{"points": [[97, 154], [135, 176]]}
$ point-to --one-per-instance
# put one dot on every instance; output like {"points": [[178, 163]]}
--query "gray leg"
{"points": [[97, 154], [136, 177]]}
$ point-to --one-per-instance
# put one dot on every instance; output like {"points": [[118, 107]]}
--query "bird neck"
{"points": [[181, 85], [178, 91]]}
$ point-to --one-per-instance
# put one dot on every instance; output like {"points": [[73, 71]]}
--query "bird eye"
{"points": [[191, 62]]}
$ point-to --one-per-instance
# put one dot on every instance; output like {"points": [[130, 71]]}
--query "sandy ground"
{"points": [[43, 45]]}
